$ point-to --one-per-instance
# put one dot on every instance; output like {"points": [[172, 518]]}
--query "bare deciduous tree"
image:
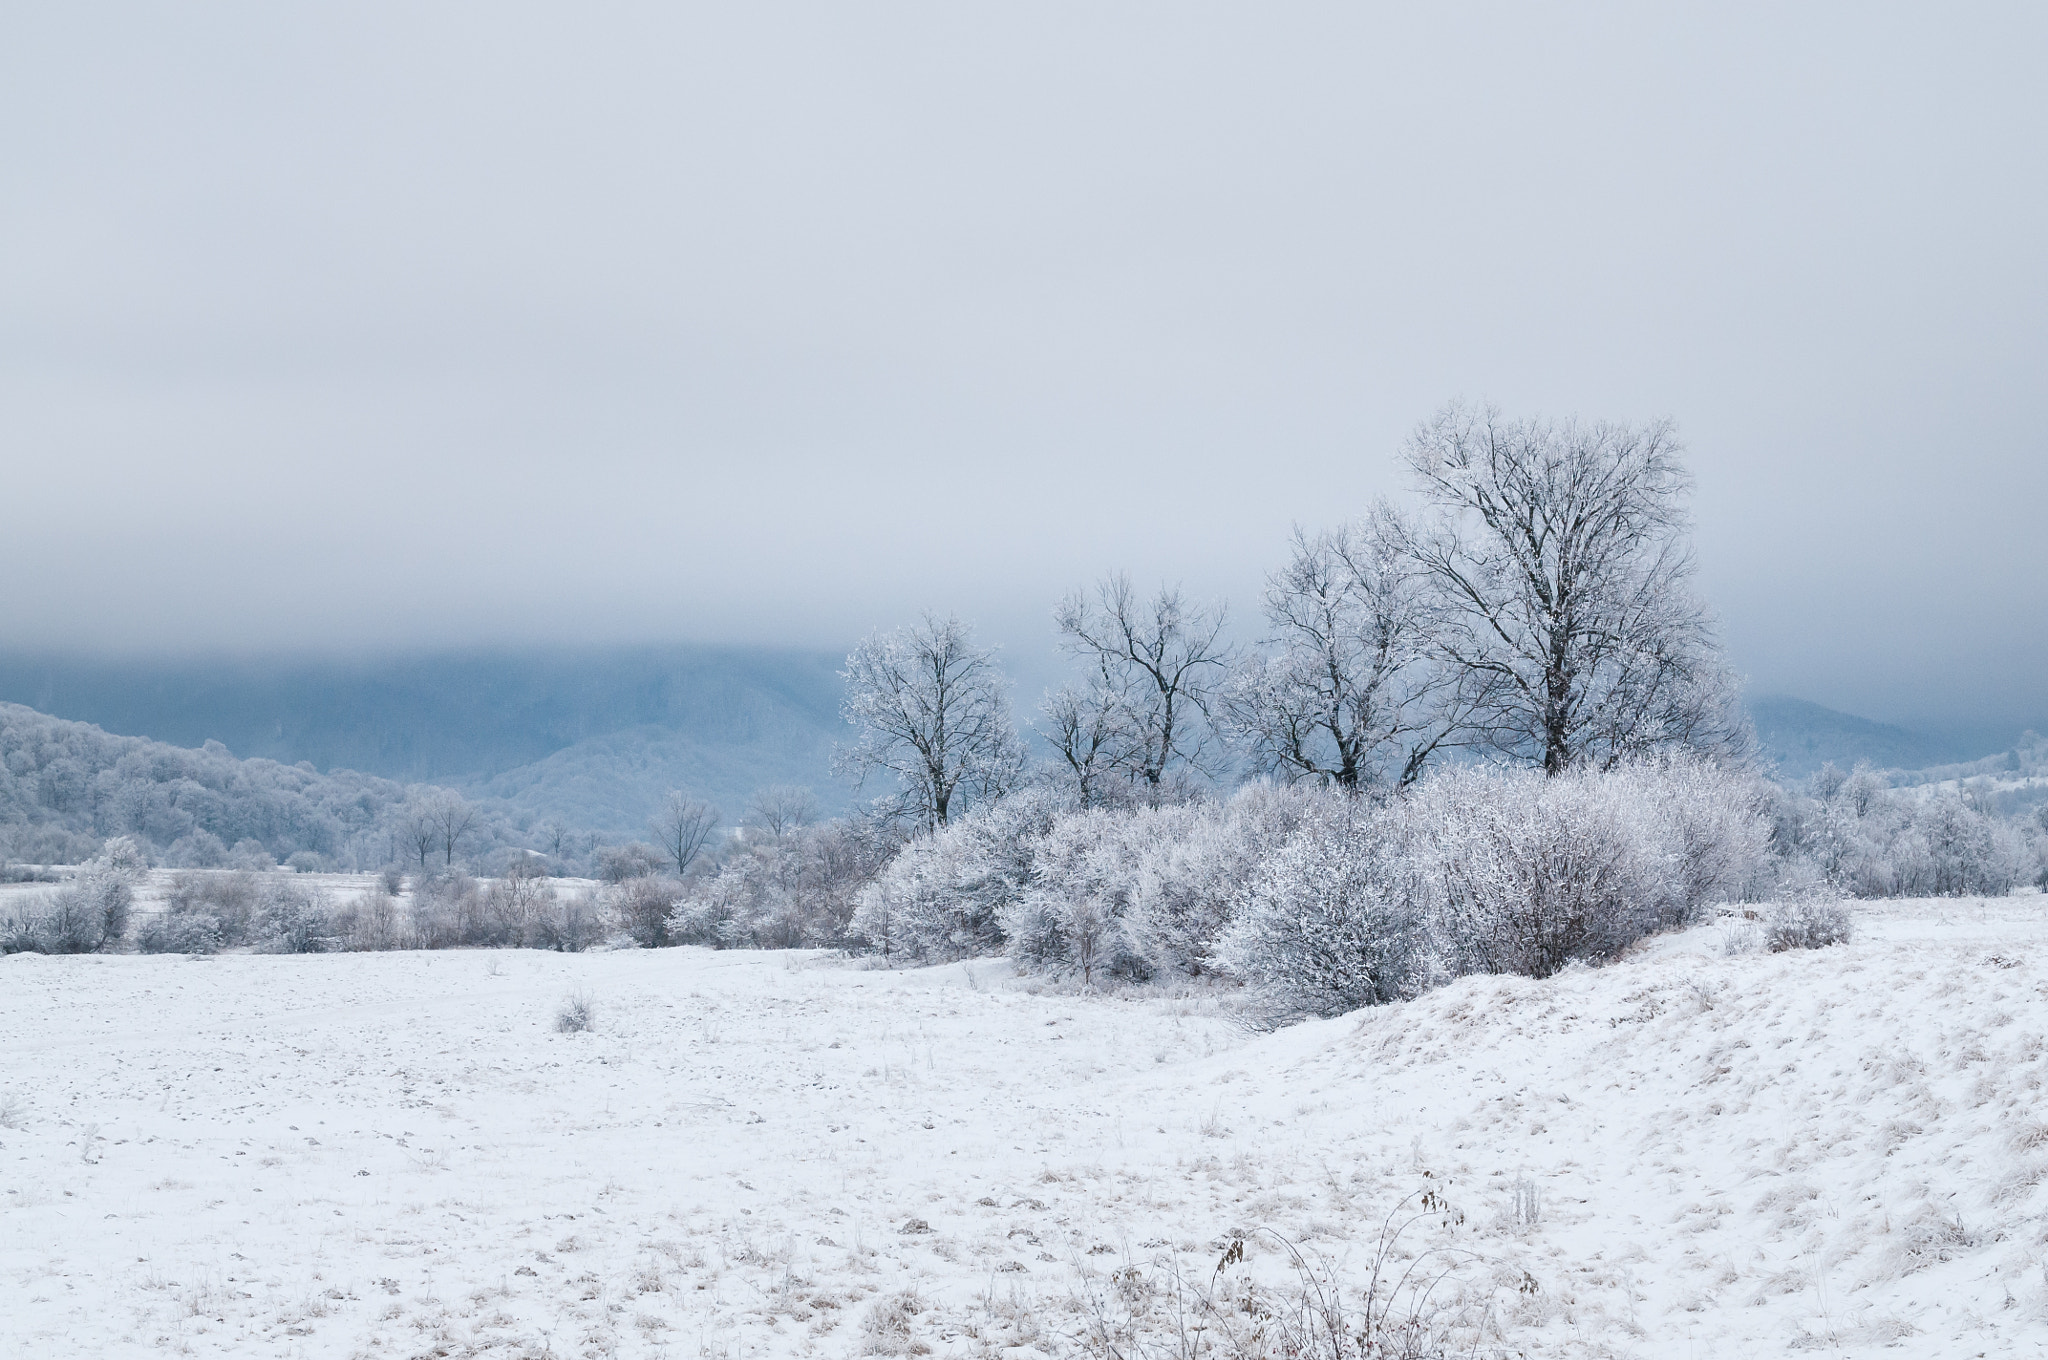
{"points": [[1558, 555], [780, 809], [452, 818], [1156, 664], [682, 828], [416, 831], [1350, 692], [1087, 724], [933, 711]]}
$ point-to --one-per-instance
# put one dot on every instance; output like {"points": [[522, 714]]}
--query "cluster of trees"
{"points": [[1495, 734], [1537, 609], [1491, 735], [67, 787], [1862, 838]]}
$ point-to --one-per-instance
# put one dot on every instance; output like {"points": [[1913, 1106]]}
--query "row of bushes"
{"points": [[1325, 900], [204, 912]]}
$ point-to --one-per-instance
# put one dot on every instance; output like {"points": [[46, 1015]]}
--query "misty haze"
{"points": [[1302, 684]]}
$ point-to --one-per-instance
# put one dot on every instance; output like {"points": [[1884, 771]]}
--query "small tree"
{"points": [[1154, 664], [452, 819], [1349, 691], [416, 832], [682, 828], [933, 711], [781, 809]]}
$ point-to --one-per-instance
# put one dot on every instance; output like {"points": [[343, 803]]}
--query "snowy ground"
{"points": [[760, 1154]]}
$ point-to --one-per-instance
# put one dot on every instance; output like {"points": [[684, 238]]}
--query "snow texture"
{"points": [[1686, 1152]]}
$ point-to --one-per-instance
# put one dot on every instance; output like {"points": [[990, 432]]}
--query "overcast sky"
{"points": [[368, 326]]}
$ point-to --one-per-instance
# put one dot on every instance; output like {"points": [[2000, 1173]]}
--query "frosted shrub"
{"points": [[950, 895], [1708, 825], [1337, 918], [643, 906], [571, 924], [370, 922], [1071, 914], [179, 932], [578, 1014], [1805, 925], [228, 898], [1192, 867], [88, 915], [446, 911], [796, 889], [1536, 873], [294, 919]]}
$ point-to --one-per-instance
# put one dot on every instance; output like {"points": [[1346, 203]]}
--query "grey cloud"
{"points": [[387, 325]]}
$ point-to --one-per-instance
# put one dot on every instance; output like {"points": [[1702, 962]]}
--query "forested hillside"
{"points": [[593, 737], [65, 786]]}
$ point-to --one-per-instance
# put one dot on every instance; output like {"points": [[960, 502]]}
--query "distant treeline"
{"points": [[66, 787]]}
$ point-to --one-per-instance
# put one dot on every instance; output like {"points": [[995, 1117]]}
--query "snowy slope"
{"points": [[398, 1154]]}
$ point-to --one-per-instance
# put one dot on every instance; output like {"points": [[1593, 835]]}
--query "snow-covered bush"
{"points": [[1191, 872], [948, 895], [643, 905], [447, 911], [1339, 916], [179, 932], [570, 924], [1535, 873], [619, 863], [372, 921], [87, 915], [792, 889], [293, 918], [1812, 924], [1074, 887], [578, 1014], [229, 899]]}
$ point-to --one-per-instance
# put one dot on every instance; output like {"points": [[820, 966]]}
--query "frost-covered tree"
{"points": [[1086, 725], [1153, 667], [1347, 688], [453, 818], [933, 712], [1558, 554]]}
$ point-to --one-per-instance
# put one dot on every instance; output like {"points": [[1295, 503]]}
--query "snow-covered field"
{"points": [[1683, 1154]]}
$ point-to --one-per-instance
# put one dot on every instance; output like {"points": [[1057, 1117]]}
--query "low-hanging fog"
{"points": [[379, 327]]}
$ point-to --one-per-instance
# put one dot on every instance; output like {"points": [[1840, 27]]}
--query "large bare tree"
{"points": [[933, 711], [1154, 666], [1347, 688], [1557, 552]]}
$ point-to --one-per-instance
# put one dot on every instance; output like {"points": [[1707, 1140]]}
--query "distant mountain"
{"points": [[1800, 737], [591, 736]]}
